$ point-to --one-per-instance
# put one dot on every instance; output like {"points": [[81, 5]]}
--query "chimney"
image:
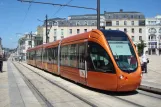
{"points": [[121, 10]]}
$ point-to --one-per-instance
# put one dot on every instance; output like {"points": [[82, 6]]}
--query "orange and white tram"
{"points": [[102, 59]]}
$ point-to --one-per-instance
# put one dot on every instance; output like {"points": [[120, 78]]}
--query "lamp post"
{"points": [[31, 38], [46, 21], [98, 14]]}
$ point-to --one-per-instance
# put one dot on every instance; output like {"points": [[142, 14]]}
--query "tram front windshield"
{"points": [[122, 50]]}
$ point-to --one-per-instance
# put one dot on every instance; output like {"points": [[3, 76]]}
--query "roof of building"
{"points": [[84, 15]]}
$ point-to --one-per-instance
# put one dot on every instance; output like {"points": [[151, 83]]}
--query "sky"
{"points": [[18, 18]]}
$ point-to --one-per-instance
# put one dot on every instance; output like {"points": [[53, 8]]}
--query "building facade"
{"points": [[131, 22], [38, 38], [24, 43], [153, 35]]}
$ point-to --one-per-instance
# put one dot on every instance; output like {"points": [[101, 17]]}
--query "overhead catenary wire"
{"points": [[61, 8], [54, 4], [25, 15]]}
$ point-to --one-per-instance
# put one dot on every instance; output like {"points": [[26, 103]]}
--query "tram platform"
{"points": [[14, 92], [152, 79]]}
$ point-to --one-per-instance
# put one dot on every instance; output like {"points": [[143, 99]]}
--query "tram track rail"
{"points": [[79, 97], [48, 103], [150, 94]]}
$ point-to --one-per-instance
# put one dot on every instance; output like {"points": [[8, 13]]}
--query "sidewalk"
{"points": [[152, 80], [4, 87], [13, 90]]}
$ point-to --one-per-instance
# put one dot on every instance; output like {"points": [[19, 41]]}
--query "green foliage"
{"points": [[140, 47]]}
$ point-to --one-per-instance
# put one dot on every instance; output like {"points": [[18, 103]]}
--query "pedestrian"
{"points": [[1, 63], [133, 61], [19, 58], [144, 61]]}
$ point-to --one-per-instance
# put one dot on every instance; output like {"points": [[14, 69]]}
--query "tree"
{"points": [[141, 47]]}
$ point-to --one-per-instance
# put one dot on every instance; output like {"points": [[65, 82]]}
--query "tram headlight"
{"points": [[141, 75], [121, 77]]}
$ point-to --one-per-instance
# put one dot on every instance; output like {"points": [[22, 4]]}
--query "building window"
{"points": [[132, 16], [55, 30], [29, 42], [78, 23], [93, 23], [109, 23], [152, 30], [132, 30], [117, 29], [116, 16], [160, 30], [140, 30], [132, 37], [117, 23], [85, 30], [132, 22], [149, 22], [62, 32], [140, 37], [125, 30], [55, 23], [54, 38], [85, 23], [125, 22], [62, 36], [70, 31], [78, 31]]}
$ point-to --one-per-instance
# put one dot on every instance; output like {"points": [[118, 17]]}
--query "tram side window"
{"points": [[81, 53], [45, 55], [29, 55], [55, 55], [72, 53], [38, 55], [49, 55], [100, 58], [41, 54], [32, 55], [64, 56]]}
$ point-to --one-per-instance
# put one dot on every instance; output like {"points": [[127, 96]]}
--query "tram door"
{"points": [[82, 64]]}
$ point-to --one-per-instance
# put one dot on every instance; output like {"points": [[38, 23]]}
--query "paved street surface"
{"points": [[15, 93], [152, 79]]}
